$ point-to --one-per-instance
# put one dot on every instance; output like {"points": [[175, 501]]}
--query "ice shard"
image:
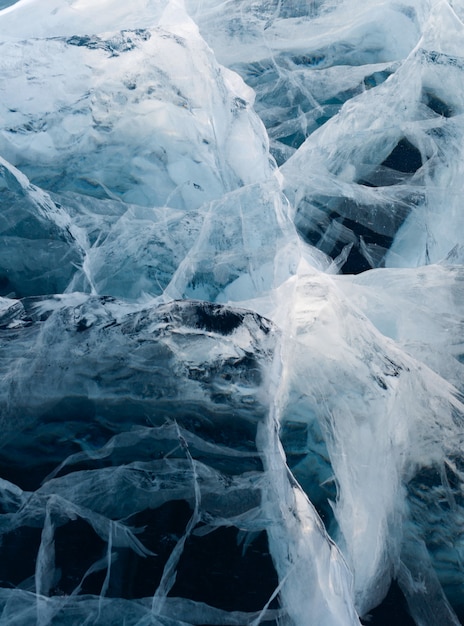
{"points": [[231, 313]]}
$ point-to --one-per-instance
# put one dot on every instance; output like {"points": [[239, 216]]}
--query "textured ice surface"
{"points": [[381, 176], [157, 94], [368, 401], [305, 59], [231, 312], [141, 448]]}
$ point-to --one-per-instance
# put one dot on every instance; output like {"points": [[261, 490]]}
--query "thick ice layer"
{"points": [[382, 176], [368, 401], [200, 424], [167, 407], [29, 19], [420, 308], [75, 108], [305, 59], [40, 246], [81, 332], [213, 252]]}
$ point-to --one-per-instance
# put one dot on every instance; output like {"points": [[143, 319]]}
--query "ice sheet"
{"points": [[231, 312]]}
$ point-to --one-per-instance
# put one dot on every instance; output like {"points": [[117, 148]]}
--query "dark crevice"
{"points": [[217, 570], [135, 576], [357, 234], [405, 157], [77, 548], [18, 552], [393, 610], [437, 105]]}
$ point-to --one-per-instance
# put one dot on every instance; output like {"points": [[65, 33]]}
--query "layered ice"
{"points": [[130, 91], [380, 176], [231, 313]]}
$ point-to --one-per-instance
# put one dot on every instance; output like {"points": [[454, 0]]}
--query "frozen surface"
{"points": [[130, 92], [231, 313], [381, 176]]}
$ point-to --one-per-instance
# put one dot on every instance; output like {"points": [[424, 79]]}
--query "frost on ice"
{"points": [[231, 313]]}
